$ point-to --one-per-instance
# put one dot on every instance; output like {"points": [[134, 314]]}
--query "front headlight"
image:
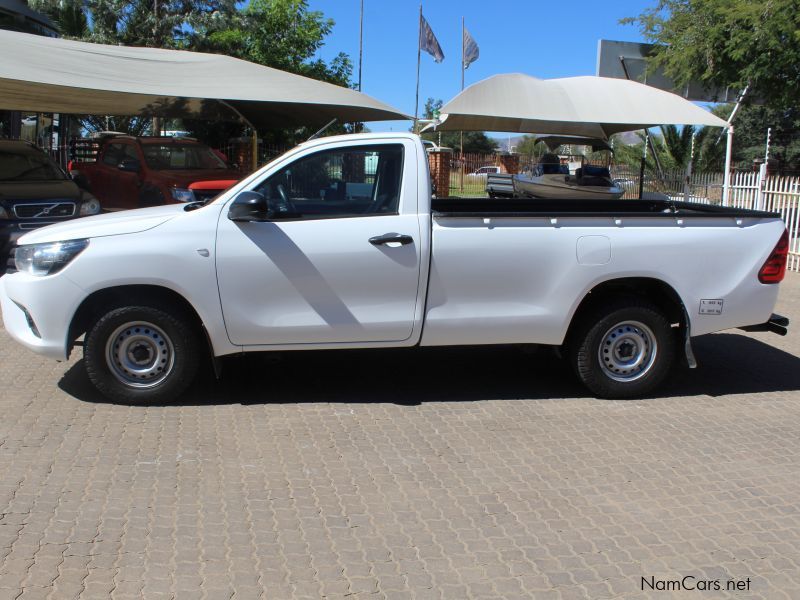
{"points": [[182, 195], [90, 207], [46, 259], [3, 213]]}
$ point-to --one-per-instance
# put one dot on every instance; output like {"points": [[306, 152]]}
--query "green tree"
{"points": [[69, 16], [728, 43], [474, 141], [750, 135], [282, 34], [529, 147], [678, 144]]}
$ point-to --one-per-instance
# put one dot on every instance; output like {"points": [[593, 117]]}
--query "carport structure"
{"points": [[587, 106], [51, 75]]}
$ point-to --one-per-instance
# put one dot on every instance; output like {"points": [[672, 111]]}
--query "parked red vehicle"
{"points": [[124, 171]]}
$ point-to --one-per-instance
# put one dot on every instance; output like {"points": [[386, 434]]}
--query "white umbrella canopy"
{"points": [[47, 75], [595, 107]]}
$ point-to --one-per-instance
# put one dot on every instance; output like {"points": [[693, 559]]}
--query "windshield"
{"points": [[28, 165], [168, 157]]}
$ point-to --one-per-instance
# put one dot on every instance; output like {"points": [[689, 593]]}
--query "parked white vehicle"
{"points": [[313, 251]]}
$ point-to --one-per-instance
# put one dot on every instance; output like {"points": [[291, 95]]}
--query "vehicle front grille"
{"points": [[44, 210]]}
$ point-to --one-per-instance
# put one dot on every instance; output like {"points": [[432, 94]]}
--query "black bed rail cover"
{"points": [[534, 207]]}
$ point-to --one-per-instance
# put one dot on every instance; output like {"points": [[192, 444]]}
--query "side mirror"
{"points": [[250, 206], [129, 164]]}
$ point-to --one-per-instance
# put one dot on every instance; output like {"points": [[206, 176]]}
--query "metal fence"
{"points": [[468, 174], [748, 189]]}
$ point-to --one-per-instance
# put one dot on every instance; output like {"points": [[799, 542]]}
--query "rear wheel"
{"points": [[142, 354], [623, 349]]}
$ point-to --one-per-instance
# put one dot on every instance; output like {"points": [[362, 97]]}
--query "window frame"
{"points": [[370, 147]]}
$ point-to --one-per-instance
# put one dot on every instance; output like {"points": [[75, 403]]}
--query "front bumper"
{"points": [[39, 305]]}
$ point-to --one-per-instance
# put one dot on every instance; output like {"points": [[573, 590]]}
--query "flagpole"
{"points": [[360, 43], [419, 59], [461, 145], [463, 50]]}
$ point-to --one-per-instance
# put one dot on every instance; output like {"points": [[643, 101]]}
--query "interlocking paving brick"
{"points": [[447, 473]]}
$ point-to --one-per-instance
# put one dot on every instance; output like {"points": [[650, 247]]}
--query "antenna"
{"points": [[321, 131]]}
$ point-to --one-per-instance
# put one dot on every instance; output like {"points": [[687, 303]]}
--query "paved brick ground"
{"points": [[333, 475]]}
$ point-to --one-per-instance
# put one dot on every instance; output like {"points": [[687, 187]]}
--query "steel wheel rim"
{"points": [[627, 351], [140, 355]]}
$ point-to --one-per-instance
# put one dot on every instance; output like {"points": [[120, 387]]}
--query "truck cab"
{"points": [[339, 244], [127, 172]]}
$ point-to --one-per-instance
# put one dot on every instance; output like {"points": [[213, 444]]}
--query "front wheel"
{"points": [[623, 349], [141, 354]]}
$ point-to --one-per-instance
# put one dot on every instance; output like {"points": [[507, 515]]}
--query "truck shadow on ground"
{"points": [[728, 364]]}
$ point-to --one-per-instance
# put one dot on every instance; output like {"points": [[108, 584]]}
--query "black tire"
{"points": [[164, 340], [613, 330]]}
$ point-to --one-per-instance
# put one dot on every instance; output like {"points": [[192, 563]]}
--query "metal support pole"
{"points": [[642, 164], [726, 184], [641, 178], [766, 153], [647, 131], [255, 148], [688, 179], [762, 182], [461, 136], [360, 43], [419, 60]]}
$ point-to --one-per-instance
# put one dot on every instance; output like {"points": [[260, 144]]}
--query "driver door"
{"points": [[323, 270], [121, 188]]}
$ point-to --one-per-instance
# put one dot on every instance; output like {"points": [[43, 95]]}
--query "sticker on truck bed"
{"points": [[711, 307]]}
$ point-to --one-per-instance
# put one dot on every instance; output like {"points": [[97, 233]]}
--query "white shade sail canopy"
{"points": [[595, 107], [51, 75]]}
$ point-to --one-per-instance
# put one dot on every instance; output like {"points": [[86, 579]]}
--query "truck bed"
{"points": [[533, 207]]}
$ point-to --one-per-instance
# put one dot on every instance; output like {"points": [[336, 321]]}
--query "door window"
{"points": [[345, 182], [116, 153]]}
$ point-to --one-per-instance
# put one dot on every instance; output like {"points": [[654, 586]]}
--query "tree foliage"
{"points": [[750, 135], [474, 141], [728, 43], [283, 34], [528, 146]]}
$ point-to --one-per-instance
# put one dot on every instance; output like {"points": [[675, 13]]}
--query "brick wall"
{"points": [[509, 163], [439, 163]]}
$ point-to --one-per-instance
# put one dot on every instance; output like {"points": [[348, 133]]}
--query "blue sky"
{"points": [[543, 39]]}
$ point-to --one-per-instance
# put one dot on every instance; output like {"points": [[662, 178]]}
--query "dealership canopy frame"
{"points": [[50, 75], [587, 106]]}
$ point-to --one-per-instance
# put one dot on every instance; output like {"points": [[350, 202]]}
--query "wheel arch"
{"points": [[657, 291], [126, 295]]}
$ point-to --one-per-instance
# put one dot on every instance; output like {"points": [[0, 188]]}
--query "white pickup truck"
{"points": [[338, 244]]}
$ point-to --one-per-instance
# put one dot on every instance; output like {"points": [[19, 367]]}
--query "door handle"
{"points": [[388, 238]]}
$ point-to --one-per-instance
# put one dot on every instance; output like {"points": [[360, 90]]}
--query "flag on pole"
{"points": [[471, 52], [428, 41]]}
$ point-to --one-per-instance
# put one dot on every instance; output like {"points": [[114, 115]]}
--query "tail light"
{"points": [[775, 267]]}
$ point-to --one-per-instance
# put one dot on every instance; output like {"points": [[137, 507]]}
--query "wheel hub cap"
{"points": [[627, 351], [139, 354]]}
